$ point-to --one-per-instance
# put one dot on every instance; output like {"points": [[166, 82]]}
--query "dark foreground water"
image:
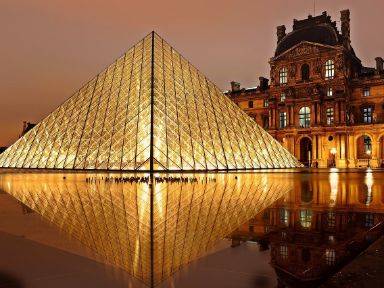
{"points": [[290, 228]]}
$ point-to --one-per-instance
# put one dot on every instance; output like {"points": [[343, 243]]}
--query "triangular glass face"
{"points": [[148, 225], [151, 110]]}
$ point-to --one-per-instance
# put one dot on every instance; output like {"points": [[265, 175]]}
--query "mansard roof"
{"points": [[319, 29]]}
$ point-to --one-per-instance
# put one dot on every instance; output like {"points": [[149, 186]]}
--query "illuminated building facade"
{"points": [[150, 110], [318, 227], [322, 104]]}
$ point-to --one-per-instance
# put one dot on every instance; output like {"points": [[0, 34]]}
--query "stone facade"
{"points": [[322, 104]]}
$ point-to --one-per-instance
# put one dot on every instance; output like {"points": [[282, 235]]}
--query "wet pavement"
{"points": [[367, 270]]}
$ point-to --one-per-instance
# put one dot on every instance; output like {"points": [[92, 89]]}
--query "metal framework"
{"points": [[150, 237], [151, 110]]}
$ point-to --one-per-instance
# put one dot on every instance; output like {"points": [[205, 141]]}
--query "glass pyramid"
{"points": [[150, 110], [148, 229]]}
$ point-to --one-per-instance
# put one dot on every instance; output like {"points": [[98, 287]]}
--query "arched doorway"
{"points": [[363, 151], [306, 151]]}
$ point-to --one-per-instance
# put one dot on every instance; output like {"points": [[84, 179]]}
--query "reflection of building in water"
{"points": [[322, 104], [148, 229], [318, 227]]}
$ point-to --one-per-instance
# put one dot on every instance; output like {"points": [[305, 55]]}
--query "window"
{"points": [[368, 220], [330, 257], [367, 144], [367, 114], [305, 72], [265, 122], [266, 102], [331, 219], [366, 91], [284, 216], [283, 119], [305, 117], [306, 218], [329, 69], [283, 76], [282, 97], [284, 251], [329, 92], [330, 116], [250, 104]]}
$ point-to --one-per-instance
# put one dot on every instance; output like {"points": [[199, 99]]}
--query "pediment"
{"points": [[303, 49]]}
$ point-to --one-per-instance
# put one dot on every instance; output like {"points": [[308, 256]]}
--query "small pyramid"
{"points": [[150, 110]]}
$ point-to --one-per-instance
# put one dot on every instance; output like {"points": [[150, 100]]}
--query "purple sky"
{"points": [[50, 48]]}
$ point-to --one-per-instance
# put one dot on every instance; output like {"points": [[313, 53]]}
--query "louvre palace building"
{"points": [[321, 103]]}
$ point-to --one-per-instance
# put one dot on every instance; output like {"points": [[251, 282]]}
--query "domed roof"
{"points": [[317, 29]]}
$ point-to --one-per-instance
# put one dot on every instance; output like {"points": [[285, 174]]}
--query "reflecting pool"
{"points": [[310, 222]]}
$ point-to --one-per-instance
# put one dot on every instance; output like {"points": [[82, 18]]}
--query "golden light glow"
{"points": [[108, 123], [114, 219]]}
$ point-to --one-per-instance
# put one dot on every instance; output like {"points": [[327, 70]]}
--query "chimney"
{"points": [[379, 64], [235, 86], [345, 26], [280, 32], [263, 83]]}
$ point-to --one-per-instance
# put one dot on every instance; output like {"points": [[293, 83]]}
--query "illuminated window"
{"points": [[306, 218], [284, 216], [366, 91], [266, 102], [283, 76], [330, 117], [284, 251], [329, 92], [282, 97], [367, 114], [305, 117], [250, 104], [331, 219], [330, 257], [283, 119], [329, 69]]}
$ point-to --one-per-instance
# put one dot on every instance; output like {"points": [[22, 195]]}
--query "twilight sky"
{"points": [[50, 48]]}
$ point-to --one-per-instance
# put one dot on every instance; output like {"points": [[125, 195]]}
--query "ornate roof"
{"points": [[319, 29]]}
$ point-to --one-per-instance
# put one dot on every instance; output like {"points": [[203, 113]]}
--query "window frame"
{"points": [[329, 92], [250, 103], [329, 69], [305, 117], [283, 75], [366, 91], [330, 115], [368, 115], [283, 120]]}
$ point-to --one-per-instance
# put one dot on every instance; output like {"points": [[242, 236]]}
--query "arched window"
{"points": [[283, 76], [305, 72], [305, 117], [329, 69]]}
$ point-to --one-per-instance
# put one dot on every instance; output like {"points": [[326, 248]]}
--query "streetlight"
{"points": [[368, 152], [333, 152]]}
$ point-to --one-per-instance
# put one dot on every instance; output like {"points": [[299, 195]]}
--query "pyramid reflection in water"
{"points": [[149, 230], [149, 110]]}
